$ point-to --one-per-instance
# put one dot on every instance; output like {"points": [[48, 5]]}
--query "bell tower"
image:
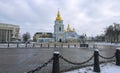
{"points": [[58, 29]]}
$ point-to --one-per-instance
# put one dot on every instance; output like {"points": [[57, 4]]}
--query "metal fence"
{"points": [[44, 45], [95, 56]]}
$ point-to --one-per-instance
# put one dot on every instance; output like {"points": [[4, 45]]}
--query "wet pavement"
{"points": [[25, 59]]}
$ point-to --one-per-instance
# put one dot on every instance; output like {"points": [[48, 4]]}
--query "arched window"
{"points": [[59, 28]]}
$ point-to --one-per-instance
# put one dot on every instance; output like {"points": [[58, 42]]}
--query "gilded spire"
{"points": [[68, 28], [58, 16]]}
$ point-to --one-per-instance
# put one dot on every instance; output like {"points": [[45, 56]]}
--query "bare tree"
{"points": [[109, 33], [117, 31], [26, 37], [100, 38], [112, 33]]}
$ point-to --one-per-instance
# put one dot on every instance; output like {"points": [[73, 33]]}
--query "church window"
{"points": [[59, 28]]}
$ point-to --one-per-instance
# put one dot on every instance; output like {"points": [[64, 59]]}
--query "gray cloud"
{"points": [[87, 16]]}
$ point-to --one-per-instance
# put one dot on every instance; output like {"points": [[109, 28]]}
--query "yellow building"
{"points": [[42, 35]]}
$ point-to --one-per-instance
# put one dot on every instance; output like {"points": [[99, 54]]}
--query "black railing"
{"points": [[40, 67], [96, 66], [76, 63]]}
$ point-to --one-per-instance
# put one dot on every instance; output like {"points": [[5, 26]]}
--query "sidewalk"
{"points": [[105, 68]]}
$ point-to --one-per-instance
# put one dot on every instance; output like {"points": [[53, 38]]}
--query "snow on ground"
{"points": [[105, 68], [107, 44]]}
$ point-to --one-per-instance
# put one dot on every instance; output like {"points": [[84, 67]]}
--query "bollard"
{"points": [[75, 45], [8, 44], [117, 55], [55, 45], [17, 45], [96, 61], [33, 45], [68, 46], [41, 45], [55, 68], [48, 45], [26, 45], [87, 45]]}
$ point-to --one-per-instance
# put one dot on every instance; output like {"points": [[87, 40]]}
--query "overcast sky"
{"points": [[86, 16]]}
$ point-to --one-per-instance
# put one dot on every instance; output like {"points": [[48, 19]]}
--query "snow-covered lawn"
{"points": [[105, 68]]}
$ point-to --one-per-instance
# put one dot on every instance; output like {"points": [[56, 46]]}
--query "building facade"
{"points": [[43, 37], [70, 35], [58, 29], [8, 32], [62, 35]]}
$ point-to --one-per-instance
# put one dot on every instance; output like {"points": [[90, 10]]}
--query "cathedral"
{"points": [[64, 35], [60, 34]]}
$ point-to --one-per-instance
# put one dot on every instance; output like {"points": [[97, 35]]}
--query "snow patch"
{"points": [[105, 68], [118, 48]]}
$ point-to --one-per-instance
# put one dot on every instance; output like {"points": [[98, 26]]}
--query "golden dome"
{"points": [[58, 16], [68, 28], [74, 30]]}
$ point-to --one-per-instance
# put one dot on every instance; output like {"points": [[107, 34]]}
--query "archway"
{"points": [[60, 40]]}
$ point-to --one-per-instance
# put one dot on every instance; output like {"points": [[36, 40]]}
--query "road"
{"points": [[25, 59]]}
